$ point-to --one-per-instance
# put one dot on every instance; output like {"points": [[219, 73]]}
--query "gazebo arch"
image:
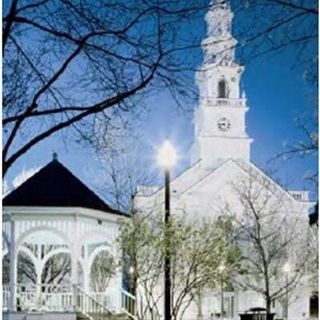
{"points": [[52, 253], [30, 231], [95, 253], [103, 235]]}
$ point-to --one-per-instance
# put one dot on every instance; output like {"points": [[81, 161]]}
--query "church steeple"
{"points": [[220, 129]]}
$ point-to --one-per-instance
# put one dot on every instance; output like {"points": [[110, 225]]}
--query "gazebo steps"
{"points": [[99, 316], [20, 315]]}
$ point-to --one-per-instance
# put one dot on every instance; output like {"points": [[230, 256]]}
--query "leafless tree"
{"points": [[57, 269], [273, 232], [26, 269], [102, 270], [73, 64], [270, 28], [67, 63], [123, 170]]}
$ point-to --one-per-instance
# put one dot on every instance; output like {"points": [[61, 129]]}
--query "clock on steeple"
{"points": [[220, 129], [224, 124]]}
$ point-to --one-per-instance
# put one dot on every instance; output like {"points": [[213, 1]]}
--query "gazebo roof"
{"points": [[55, 186]]}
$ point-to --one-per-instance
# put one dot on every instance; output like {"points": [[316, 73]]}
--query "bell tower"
{"points": [[220, 128]]}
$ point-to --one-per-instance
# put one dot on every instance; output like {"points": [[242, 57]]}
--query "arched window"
{"points": [[222, 89]]}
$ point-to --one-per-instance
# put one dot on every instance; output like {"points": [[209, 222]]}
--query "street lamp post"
{"points": [[286, 270], [167, 260], [167, 159]]}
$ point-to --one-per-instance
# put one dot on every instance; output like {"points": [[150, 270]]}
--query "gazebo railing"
{"points": [[60, 298], [39, 297], [44, 297], [56, 298]]}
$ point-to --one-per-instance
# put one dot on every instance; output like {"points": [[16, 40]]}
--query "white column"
{"points": [[38, 268], [13, 268], [86, 270], [74, 261]]}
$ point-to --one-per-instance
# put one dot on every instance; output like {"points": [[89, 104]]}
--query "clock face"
{"points": [[224, 124]]}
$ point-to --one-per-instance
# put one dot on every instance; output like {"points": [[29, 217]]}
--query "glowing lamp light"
{"points": [[286, 267], [131, 270], [221, 268], [167, 156]]}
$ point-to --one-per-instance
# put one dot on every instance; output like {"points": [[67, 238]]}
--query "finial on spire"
{"points": [[54, 156]]}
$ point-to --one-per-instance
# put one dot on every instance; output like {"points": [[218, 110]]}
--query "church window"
{"points": [[222, 89]]}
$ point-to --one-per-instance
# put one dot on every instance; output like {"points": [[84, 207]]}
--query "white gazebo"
{"points": [[54, 229]]}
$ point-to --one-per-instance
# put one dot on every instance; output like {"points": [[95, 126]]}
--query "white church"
{"points": [[54, 213], [221, 161]]}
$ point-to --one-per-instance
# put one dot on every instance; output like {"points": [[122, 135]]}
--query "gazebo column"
{"points": [[74, 263], [86, 270], [38, 284], [13, 268], [86, 279]]}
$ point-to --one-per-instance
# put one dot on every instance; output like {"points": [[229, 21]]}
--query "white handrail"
{"points": [[128, 303], [90, 307]]}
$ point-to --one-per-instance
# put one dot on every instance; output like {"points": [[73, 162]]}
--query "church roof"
{"points": [[55, 186], [197, 175]]}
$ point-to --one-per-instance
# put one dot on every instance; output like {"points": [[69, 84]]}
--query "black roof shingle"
{"points": [[55, 186]]}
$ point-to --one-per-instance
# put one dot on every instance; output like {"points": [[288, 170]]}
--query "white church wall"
{"points": [[248, 299]]}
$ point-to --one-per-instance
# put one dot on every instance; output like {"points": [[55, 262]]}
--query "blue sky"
{"points": [[276, 94]]}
